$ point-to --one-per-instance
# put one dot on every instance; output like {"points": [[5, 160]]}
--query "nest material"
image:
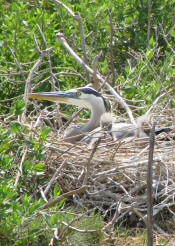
{"points": [[116, 172]]}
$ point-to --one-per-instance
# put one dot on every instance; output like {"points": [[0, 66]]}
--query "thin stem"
{"points": [[52, 202], [54, 177], [111, 50], [149, 22], [149, 186]]}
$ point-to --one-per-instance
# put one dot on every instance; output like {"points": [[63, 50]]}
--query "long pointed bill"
{"points": [[62, 97]]}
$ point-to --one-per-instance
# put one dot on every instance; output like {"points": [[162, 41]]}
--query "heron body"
{"points": [[91, 99]]}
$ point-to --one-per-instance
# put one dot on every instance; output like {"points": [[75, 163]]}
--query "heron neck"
{"points": [[94, 122]]}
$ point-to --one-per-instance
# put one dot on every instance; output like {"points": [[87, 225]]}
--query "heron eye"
{"points": [[78, 94]]}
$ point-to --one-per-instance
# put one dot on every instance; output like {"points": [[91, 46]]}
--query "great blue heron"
{"points": [[89, 98]]}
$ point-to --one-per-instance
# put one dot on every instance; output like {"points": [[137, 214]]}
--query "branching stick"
{"points": [[62, 39]]}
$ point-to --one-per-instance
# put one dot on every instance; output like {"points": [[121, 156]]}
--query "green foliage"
{"points": [[22, 222], [21, 19], [18, 107], [21, 154]]}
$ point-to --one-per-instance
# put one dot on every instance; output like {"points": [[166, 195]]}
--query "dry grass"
{"points": [[141, 241]]}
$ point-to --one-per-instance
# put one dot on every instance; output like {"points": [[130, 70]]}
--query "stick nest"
{"points": [[115, 173]]}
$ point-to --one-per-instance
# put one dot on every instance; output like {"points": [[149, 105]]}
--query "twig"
{"points": [[121, 186], [158, 99], [10, 99], [95, 80], [53, 77], [79, 20], [71, 119], [166, 40], [89, 161], [42, 194], [160, 231], [62, 39], [18, 64], [74, 220], [36, 44], [111, 49], [29, 79], [54, 177], [139, 214], [76, 229], [65, 195], [149, 186], [83, 43], [141, 3], [169, 32], [149, 22], [114, 219], [20, 170], [68, 9]]}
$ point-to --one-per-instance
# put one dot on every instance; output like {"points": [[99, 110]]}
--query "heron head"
{"points": [[85, 97]]}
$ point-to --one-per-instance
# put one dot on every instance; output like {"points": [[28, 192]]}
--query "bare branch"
{"points": [[68, 9], [79, 20], [54, 177], [83, 43], [149, 22], [29, 80], [166, 39], [65, 195], [89, 161], [149, 186], [111, 50], [20, 169], [155, 103], [53, 77], [18, 64], [76, 229], [115, 217], [62, 39], [95, 81]]}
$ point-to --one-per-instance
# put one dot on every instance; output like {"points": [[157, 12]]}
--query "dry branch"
{"points": [[54, 177], [20, 168], [62, 39], [29, 80], [77, 229], [63, 196], [149, 186]]}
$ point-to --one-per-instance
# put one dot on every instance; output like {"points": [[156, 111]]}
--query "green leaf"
{"points": [[57, 191], [4, 145], [25, 201], [173, 33], [40, 167], [18, 107], [150, 54], [34, 207], [45, 132], [15, 127], [152, 42], [62, 202]]}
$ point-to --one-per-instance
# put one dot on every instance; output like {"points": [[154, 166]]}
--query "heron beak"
{"points": [[59, 96]]}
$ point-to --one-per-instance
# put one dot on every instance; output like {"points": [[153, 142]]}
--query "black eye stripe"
{"points": [[88, 90]]}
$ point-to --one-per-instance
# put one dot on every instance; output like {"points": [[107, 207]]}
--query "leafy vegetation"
{"points": [[136, 59]]}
